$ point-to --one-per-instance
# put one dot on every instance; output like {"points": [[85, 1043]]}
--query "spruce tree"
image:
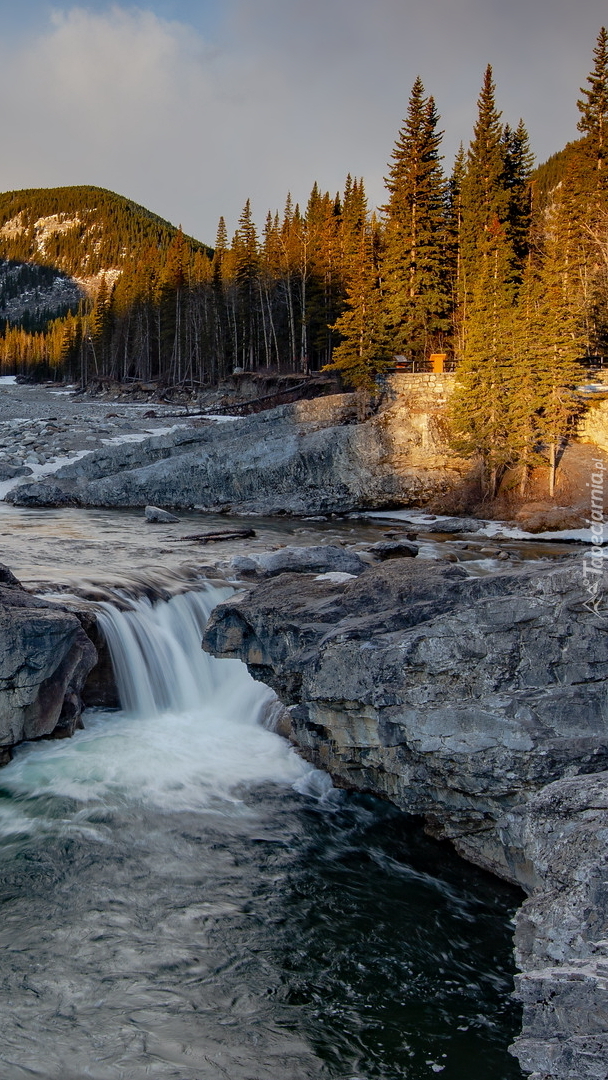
{"points": [[593, 107], [560, 335], [454, 250], [363, 353], [246, 265], [414, 269], [518, 171], [480, 408]]}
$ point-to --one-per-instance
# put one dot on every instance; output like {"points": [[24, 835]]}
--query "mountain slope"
{"points": [[82, 231]]}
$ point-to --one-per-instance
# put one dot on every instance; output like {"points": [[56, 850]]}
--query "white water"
{"points": [[191, 735]]}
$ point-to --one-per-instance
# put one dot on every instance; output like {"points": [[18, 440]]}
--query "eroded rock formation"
{"points": [[308, 457], [483, 705], [45, 657]]}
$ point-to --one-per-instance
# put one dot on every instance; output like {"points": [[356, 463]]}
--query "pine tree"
{"points": [[363, 353], [561, 335], [454, 248], [247, 264], [480, 408], [414, 265], [593, 107], [518, 171]]}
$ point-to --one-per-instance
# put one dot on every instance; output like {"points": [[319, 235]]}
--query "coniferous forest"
{"points": [[499, 265]]}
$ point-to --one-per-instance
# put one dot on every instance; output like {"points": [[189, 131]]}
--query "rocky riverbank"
{"points": [[45, 657], [308, 457], [479, 703], [482, 704]]}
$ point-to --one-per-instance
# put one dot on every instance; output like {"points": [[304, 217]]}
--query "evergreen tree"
{"points": [[480, 410], [593, 107], [246, 268], [363, 353], [454, 249], [414, 266], [560, 334], [518, 171]]}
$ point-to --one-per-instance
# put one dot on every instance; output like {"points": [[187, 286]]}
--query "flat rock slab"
{"points": [[320, 558]]}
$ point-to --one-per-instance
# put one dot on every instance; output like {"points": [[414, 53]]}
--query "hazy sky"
{"points": [[192, 106]]}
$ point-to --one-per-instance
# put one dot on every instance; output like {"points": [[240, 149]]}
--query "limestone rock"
{"points": [[455, 697], [561, 937], [482, 704], [9, 472], [45, 656], [310, 457], [393, 549], [319, 558], [43, 493]]}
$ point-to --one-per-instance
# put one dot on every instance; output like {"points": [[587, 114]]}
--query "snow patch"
{"points": [[495, 530]]}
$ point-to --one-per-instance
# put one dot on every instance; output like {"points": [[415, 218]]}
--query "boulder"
{"points": [[452, 525], [319, 558], [9, 472], [393, 549], [43, 493], [154, 514]]}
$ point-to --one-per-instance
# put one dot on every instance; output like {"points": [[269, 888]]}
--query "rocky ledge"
{"points": [[482, 704], [45, 657], [309, 457]]}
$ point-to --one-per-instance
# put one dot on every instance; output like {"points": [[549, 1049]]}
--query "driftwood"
{"points": [[211, 537]]}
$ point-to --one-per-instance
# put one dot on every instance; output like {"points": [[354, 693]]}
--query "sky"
{"points": [[190, 107]]}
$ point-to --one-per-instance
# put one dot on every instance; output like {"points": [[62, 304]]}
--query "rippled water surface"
{"points": [[275, 936]]}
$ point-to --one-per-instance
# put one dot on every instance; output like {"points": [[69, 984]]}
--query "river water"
{"points": [[183, 897]]}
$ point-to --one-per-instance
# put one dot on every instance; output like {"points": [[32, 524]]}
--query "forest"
{"points": [[501, 266]]}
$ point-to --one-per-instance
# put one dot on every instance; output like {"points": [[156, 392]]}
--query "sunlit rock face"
{"points": [[309, 457], [45, 656]]}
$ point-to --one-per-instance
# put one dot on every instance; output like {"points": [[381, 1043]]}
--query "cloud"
{"points": [[280, 93], [116, 99]]}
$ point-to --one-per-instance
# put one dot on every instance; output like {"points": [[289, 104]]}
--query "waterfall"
{"points": [[190, 734], [157, 656]]}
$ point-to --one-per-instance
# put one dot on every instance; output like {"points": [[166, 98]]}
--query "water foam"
{"points": [[191, 734]]}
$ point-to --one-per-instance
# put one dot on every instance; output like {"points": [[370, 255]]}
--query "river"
{"points": [[183, 897]]}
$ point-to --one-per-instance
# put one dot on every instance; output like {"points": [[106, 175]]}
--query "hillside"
{"points": [[546, 177], [57, 244], [82, 231]]}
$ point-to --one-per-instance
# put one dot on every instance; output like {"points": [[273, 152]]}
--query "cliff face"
{"points": [[454, 697], [45, 657], [304, 458], [482, 704]]}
